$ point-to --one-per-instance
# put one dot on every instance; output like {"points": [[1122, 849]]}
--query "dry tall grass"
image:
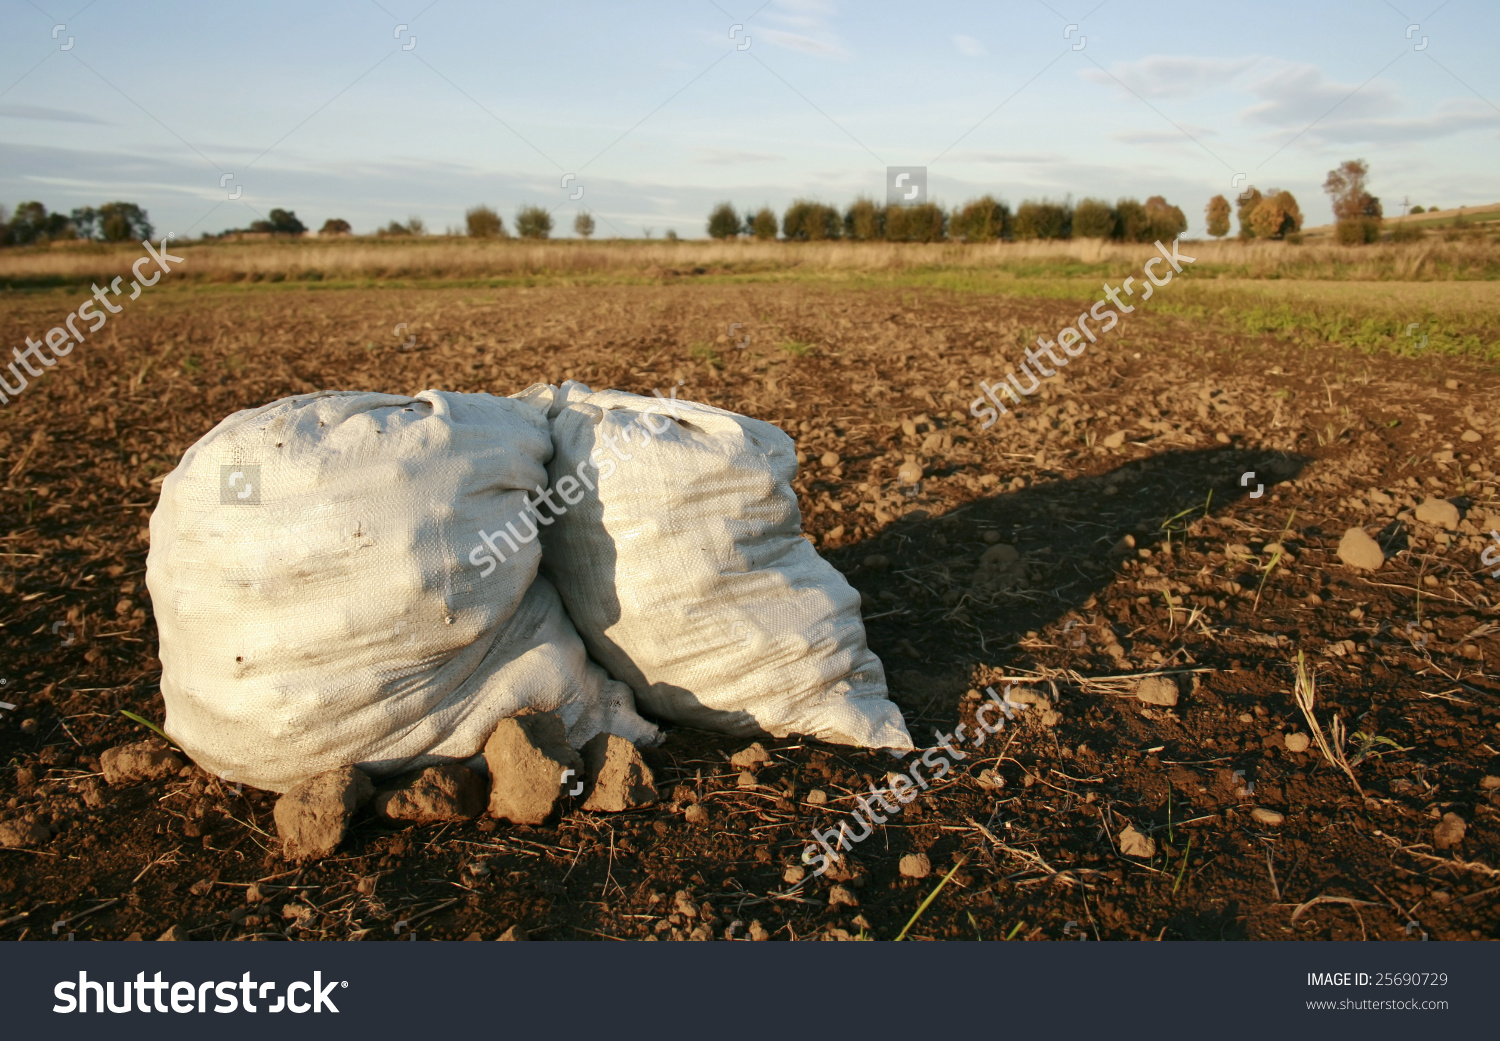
{"points": [[312, 260]]}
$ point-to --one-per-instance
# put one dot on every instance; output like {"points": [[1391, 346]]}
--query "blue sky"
{"points": [[333, 110]]}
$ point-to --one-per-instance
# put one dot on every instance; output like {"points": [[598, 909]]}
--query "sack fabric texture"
{"points": [[312, 573], [675, 541]]}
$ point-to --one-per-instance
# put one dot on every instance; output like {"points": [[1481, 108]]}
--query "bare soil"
{"points": [[1124, 565]]}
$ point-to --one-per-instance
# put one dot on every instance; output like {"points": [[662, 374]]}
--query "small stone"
{"points": [[746, 779], [149, 760], [999, 556], [1115, 440], [1449, 831], [750, 758], [621, 779], [829, 460], [29, 727], [794, 874], [1297, 742], [817, 797], [1357, 549], [1471, 436], [695, 814], [758, 931], [1051, 717], [527, 756], [874, 562], [174, 933], [1490, 782], [1438, 512], [1261, 815], [1157, 690], [916, 865], [23, 834], [1134, 844], [515, 932], [313, 816], [910, 473], [842, 896], [450, 792]]}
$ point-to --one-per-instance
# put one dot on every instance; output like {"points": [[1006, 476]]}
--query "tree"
{"points": [[763, 226], [723, 222], [1416, 210], [924, 222], [1093, 219], [484, 223], [1247, 201], [864, 221], [1276, 215], [1132, 222], [806, 221], [416, 225], [583, 224], [1043, 220], [1164, 221], [335, 226], [1218, 216], [533, 222], [1357, 214], [31, 224], [285, 222], [981, 220]]}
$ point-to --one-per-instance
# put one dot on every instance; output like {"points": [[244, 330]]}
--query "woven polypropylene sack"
{"points": [[676, 545], [315, 569]]}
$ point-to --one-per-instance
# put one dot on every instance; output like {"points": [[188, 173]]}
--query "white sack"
{"points": [[323, 608], [683, 566]]}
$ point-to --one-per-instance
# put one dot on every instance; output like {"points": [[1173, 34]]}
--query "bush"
{"points": [[1043, 220], [1357, 231], [1093, 219], [806, 221], [864, 221], [723, 222], [484, 223], [925, 222], [1407, 233], [583, 224], [335, 226], [31, 223], [533, 222], [285, 222], [1416, 210], [763, 225], [981, 220], [1165, 222]]}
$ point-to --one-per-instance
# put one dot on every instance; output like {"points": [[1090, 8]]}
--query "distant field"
{"points": [[464, 261]]}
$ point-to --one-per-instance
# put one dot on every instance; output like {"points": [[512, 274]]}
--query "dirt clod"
{"points": [[313, 817], [1297, 742], [515, 932], [620, 777], [842, 896], [1439, 512], [1157, 690], [450, 792], [149, 760], [175, 932], [1134, 844], [750, 758], [23, 834], [695, 814], [1261, 815], [916, 865], [1449, 832], [527, 757], [1359, 550]]}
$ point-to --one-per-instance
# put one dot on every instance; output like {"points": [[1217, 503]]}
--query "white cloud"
{"points": [[1163, 136], [969, 47], [1166, 76], [1295, 95], [809, 16]]}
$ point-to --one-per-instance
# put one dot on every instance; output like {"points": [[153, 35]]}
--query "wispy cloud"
{"points": [[1169, 76], [969, 47], [733, 157], [810, 18], [51, 115]]}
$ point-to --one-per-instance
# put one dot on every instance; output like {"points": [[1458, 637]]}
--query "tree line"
{"points": [[31, 224]]}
